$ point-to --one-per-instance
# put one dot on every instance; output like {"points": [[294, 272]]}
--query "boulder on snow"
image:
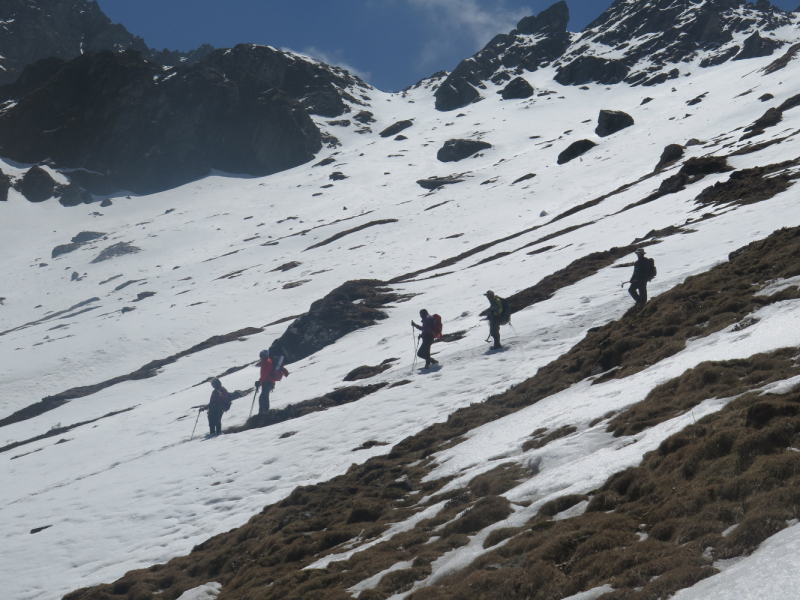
{"points": [[671, 154], [37, 185], [364, 117], [455, 150], [74, 195], [575, 150], [612, 121], [433, 183], [115, 250], [396, 128], [755, 47], [517, 89]]}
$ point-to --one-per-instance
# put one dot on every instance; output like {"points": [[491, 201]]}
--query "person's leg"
{"points": [[210, 422], [494, 330], [643, 292], [425, 350], [634, 293], [263, 399]]}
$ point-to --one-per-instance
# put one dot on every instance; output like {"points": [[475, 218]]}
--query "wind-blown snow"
{"points": [[131, 490]]}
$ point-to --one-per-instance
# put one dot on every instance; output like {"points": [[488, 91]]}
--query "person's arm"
{"points": [[415, 325]]}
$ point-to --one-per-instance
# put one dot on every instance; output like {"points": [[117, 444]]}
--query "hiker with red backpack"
{"points": [[271, 373], [430, 330], [644, 270]]}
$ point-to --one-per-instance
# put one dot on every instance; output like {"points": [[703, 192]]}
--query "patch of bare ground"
{"points": [[342, 234], [785, 59], [343, 395], [540, 438], [151, 369], [749, 186], [366, 372], [730, 468]]}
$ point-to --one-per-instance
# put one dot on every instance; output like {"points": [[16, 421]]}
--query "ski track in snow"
{"points": [[132, 490]]}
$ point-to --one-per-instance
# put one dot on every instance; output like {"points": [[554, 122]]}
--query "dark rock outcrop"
{"points": [[79, 240], [5, 185], [517, 89], [587, 69], [75, 195], [455, 150], [755, 47], [535, 42], [37, 185], [37, 29], [396, 128], [575, 150], [150, 129], [612, 121], [364, 117], [671, 154], [118, 249], [333, 317]]}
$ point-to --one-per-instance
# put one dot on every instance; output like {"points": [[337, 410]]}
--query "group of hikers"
{"points": [[498, 314]]}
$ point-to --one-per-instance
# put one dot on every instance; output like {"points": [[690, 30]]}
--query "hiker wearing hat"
{"points": [[271, 373], [644, 269], [427, 335], [495, 317], [219, 403]]}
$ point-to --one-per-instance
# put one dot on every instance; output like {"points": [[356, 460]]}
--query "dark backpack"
{"points": [[225, 400], [505, 316], [437, 327], [651, 271]]}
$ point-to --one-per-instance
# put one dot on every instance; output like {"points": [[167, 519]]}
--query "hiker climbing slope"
{"points": [[430, 329], [271, 373], [644, 269], [219, 403], [499, 314]]}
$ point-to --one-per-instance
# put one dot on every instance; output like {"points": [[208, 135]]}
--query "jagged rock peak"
{"points": [[31, 30], [652, 36], [536, 42]]}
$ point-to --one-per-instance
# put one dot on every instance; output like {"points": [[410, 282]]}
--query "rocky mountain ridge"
{"points": [[37, 29], [636, 41]]}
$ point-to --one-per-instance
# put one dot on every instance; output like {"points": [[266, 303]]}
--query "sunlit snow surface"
{"points": [[132, 490]]}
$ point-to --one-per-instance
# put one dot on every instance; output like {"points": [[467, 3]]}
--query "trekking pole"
{"points": [[253, 403], [414, 342], [512, 327], [195, 424]]}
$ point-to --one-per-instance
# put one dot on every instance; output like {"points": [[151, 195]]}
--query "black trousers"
{"points": [[263, 399], [425, 348], [638, 291], [494, 329], [215, 421]]}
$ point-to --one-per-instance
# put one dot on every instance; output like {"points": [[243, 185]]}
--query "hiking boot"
{"points": [[496, 347], [434, 361]]}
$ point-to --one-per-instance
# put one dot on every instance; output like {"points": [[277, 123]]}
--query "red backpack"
{"points": [[437, 327]]}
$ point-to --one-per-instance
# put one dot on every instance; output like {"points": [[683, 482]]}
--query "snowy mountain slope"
{"points": [[149, 495]]}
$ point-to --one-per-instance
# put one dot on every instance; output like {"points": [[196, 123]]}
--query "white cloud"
{"points": [[331, 58], [456, 19]]}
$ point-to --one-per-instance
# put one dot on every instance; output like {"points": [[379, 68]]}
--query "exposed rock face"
{"points": [[575, 150], [535, 42], [517, 89], [37, 185], [31, 30], [150, 128], [455, 150], [333, 317], [612, 121], [653, 35], [396, 128]]}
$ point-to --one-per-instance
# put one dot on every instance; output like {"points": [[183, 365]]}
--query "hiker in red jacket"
{"points": [[271, 373], [427, 335], [219, 403]]}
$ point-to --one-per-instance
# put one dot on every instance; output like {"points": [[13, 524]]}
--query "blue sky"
{"points": [[390, 43]]}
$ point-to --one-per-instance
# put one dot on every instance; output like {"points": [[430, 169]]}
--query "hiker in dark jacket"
{"points": [[271, 373], [640, 277], [495, 317], [427, 335], [219, 403]]}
